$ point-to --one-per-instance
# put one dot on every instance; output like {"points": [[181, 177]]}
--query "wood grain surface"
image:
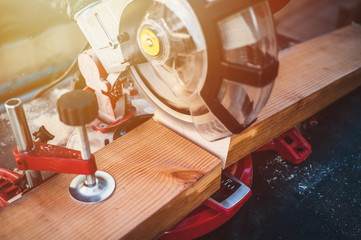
{"points": [[160, 177], [312, 75]]}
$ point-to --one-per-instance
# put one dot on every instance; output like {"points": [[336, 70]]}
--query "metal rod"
{"points": [[15, 111], [85, 152], [29, 179], [24, 141]]}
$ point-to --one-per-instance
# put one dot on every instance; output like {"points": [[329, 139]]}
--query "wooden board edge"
{"points": [[195, 196], [155, 225], [260, 132]]}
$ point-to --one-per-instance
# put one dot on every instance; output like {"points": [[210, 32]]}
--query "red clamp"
{"points": [[105, 128], [8, 189], [50, 158], [290, 146]]}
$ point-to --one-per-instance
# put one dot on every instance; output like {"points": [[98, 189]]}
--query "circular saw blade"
{"points": [[214, 69], [176, 57]]}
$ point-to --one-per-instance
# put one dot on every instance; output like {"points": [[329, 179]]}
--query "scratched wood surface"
{"points": [[160, 178], [312, 75]]}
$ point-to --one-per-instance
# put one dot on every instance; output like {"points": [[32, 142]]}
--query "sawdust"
{"points": [[43, 111], [97, 140], [143, 106], [40, 112]]}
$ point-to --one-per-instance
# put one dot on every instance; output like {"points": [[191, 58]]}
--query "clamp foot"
{"points": [[101, 190]]}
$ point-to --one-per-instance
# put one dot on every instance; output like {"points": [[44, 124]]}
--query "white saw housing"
{"points": [[212, 63]]}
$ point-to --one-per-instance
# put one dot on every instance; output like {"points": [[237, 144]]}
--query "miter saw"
{"points": [[210, 63], [208, 66]]}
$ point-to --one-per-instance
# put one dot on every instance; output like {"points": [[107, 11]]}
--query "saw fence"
{"points": [[161, 177]]}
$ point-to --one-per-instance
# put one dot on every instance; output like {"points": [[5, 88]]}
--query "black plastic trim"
{"points": [[256, 77], [209, 14]]}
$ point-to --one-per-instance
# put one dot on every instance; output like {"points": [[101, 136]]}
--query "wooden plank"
{"points": [[160, 178], [312, 75]]}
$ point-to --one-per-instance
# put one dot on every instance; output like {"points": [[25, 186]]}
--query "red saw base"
{"points": [[8, 189], [290, 146], [205, 219]]}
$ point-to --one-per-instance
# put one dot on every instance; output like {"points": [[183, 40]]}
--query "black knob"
{"points": [[77, 108], [43, 135]]}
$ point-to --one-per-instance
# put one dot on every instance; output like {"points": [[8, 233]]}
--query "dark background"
{"points": [[317, 199]]}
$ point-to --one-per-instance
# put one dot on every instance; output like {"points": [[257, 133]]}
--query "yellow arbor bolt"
{"points": [[149, 42]]}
